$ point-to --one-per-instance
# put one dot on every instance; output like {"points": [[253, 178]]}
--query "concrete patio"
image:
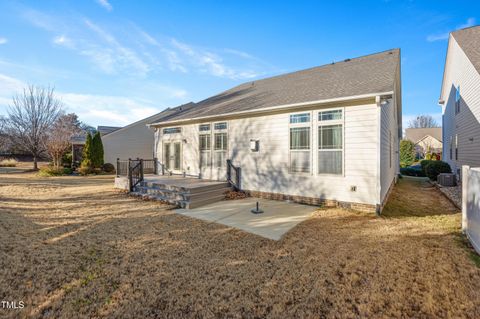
{"points": [[278, 217]]}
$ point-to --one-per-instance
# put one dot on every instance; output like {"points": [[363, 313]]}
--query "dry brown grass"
{"points": [[72, 247]]}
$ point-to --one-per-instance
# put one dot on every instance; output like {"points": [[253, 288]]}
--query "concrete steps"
{"points": [[182, 196]]}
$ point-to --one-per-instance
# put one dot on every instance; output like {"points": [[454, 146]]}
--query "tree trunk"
{"points": [[35, 164]]}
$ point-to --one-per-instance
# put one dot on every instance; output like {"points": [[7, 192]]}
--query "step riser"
{"points": [[182, 197]]}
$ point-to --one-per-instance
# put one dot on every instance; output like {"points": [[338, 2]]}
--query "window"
{"points": [[220, 148], [205, 149], [300, 118], [204, 127], [390, 142], [330, 115], [451, 147], [220, 126], [456, 147], [300, 149], [457, 100], [172, 130], [330, 149]]}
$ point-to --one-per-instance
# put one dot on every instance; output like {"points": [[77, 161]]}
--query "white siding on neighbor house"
{"points": [[389, 158], [268, 169], [459, 71], [133, 141]]}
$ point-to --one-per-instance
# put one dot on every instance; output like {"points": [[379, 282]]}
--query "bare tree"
{"points": [[4, 139], [31, 117], [423, 121], [59, 136]]}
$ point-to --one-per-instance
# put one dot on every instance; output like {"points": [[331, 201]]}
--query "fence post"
{"points": [[465, 175], [118, 166], [155, 167], [141, 169]]}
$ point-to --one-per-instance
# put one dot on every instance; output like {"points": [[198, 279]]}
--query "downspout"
{"points": [[379, 156]]}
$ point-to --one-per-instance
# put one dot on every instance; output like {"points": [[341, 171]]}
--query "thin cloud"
{"points": [[3, 40], [63, 40], [211, 63], [105, 4], [444, 36]]}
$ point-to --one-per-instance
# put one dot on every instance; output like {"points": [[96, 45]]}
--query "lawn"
{"points": [[73, 247]]}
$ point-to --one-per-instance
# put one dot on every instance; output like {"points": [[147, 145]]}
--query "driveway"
{"points": [[276, 220]]}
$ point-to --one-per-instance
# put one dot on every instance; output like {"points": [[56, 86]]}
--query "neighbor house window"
{"points": [[457, 100], [220, 149], [330, 149], [456, 147], [204, 127], [205, 149], [390, 142], [220, 126], [172, 130], [300, 149], [299, 118], [451, 147]]}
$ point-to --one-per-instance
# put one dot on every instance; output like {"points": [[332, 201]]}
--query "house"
{"points": [[460, 99], [426, 140], [327, 134], [136, 140], [78, 142]]}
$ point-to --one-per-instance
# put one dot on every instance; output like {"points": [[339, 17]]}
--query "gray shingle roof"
{"points": [[469, 40], [368, 74], [416, 134]]}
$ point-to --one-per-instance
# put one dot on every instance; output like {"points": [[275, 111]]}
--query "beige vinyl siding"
{"points": [[133, 141], [389, 161], [459, 71], [268, 169]]}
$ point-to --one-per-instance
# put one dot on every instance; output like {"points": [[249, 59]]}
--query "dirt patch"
{"points": [[77, 248]]}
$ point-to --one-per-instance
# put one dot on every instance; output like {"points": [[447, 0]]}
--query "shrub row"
{"points": [[51, 171], [433, 168], [411, 171]]}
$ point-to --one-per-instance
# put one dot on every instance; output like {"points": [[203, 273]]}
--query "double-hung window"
{"points": [[220, 149], [300, 156], [205, 149], [220, 144], [330, 142]]}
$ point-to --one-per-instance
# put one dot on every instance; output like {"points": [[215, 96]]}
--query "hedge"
{"points": [[434, 168]]}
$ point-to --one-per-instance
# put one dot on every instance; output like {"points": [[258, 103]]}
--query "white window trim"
{"points": [[299, 125], [319, 123], [209, 164], [214, 151]]}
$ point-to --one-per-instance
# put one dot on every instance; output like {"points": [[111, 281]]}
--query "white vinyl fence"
{"points": [[471, 205]]}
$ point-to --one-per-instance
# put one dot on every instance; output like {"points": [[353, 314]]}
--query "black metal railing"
{"points": [[234, 175], [150, 166], [135, 174]]}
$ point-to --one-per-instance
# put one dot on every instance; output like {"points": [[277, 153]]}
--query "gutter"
{"points": [[272, 108]]}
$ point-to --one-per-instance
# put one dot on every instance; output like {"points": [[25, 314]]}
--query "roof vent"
{"points": [[346, 60]]}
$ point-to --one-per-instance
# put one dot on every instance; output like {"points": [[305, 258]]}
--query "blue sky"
{"points": [[115, 62]]}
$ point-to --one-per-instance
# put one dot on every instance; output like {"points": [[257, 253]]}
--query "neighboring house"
{"points": [[78, 142], [325, 134], [426, 140], [460, 99], [136, 140]]}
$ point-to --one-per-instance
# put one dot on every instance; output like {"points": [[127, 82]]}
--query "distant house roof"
{"points": [[417, 134], [469, 40], [370, 74], [104, 130], [107, 129]]}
